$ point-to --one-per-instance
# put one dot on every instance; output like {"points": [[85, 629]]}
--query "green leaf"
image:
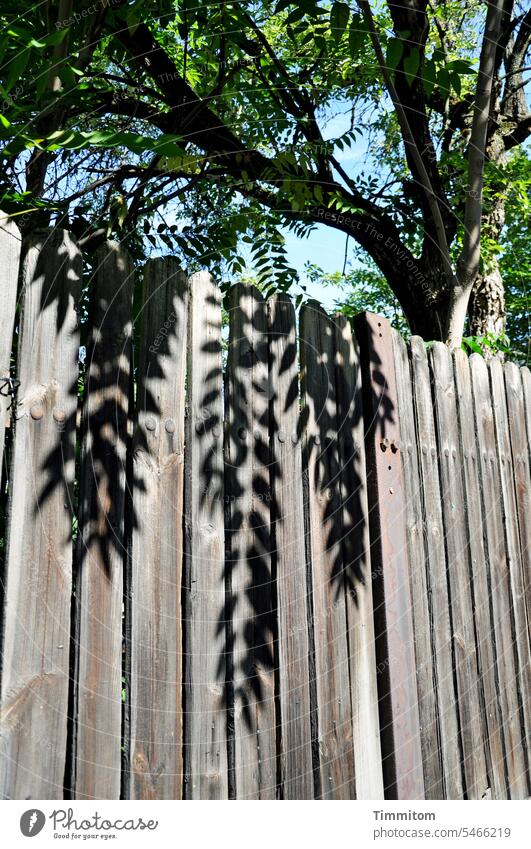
{"points": [[411, 64], [339, 15], [17, 66], [456, 83], [395, 49], [429, 77], [357, 34], [443, 81], [460, 66]]}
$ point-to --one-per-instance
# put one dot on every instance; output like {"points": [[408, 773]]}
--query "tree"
{"points": [[222, 106]]}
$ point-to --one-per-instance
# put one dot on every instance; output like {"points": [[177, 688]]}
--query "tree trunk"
{"points": [[486, 314], [486, 310]]}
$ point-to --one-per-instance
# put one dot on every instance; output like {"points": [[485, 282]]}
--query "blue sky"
{"points": [[324, 247]]}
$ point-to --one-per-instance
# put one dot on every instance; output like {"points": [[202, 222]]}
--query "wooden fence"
{"points": [[300, 574]]}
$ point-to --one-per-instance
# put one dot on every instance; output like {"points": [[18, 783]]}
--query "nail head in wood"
{"points": [[36, 412]]}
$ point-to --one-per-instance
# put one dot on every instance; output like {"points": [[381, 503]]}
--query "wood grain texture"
{"points": [[432, 751], [516, 415], [427, 452], [248, 496], [334, 710], [356, 576], [39, 555], [459, 573], [493, 730], [296, 770], [394, 632], [512, 541], [156, 761], [10, 243], [205, 684], [101, 549], [526, 383], [499, 580]]}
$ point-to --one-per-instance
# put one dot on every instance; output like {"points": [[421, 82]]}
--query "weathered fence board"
{"points": [[249, 560], [278, 592], [499, 584], [101, 551], [205, 614], [156, 763], [459, 573], [526, 382], [334, 712], [512, 543], [493, 731], [289, 557], [357, 576], [394, 632], [10, 257], [436, 571], [521, 470], [432, 752], [36, 647]]}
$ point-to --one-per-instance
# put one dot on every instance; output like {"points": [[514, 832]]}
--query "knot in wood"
{"points": [[36, 412]]}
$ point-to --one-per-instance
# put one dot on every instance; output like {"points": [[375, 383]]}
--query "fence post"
{"points": [[10, 258], [156, 763], [39, 555], [395, 640], [101, 548]]}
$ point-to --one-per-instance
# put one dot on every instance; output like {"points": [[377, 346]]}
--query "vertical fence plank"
{"points": [[522, 475], [526, 383], [296, 771], [39, 556], [101, 529], [205, 691], [395, 650], [157, 541], [10, 257], [432, 751], [525, 374], [459, 572], [427, 452], [499, 586], [334, 713], [356, 576], [249, 562], [512, 542], [482, 601]]}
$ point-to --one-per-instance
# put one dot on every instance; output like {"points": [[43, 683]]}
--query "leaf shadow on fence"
{"points": [[249, 613]]}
